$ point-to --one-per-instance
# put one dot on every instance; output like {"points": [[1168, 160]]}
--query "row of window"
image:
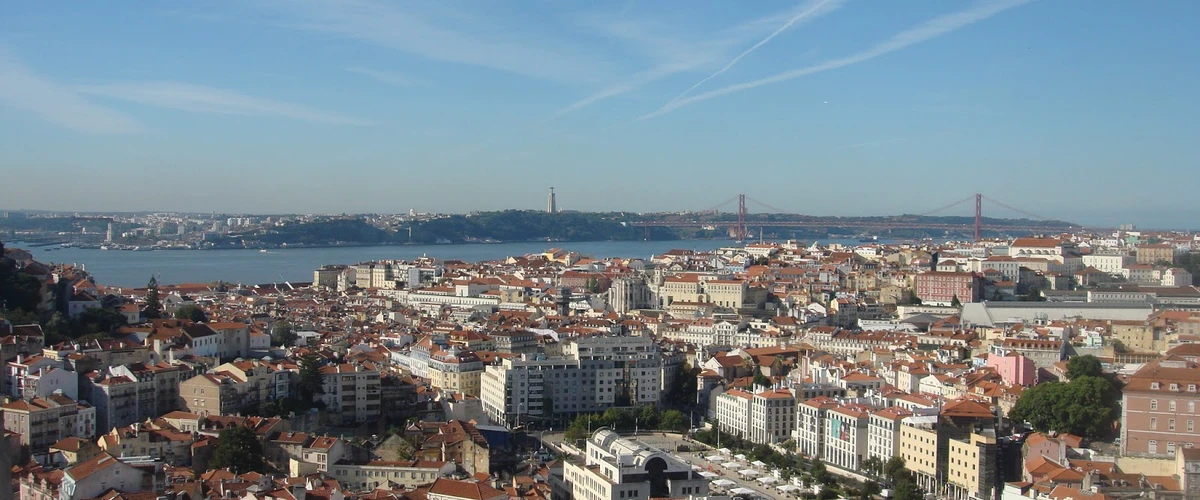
{"points": [[1173, 387], [1170, 424]]}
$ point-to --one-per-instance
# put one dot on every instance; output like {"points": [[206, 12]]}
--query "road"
{"points": [[671, 442]]}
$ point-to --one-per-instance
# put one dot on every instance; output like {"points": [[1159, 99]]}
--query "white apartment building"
{"points": [[617, 468], [1110, 263], [810, 425], [594, 374], [733, 412], [883, 436], [846, 436], [381, 474], [772, 416]]}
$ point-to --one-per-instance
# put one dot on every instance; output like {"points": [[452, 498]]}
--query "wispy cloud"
{"points": [[930, 29], [812, 10], [22, 88], [672, 56], [201, 99], [444, 32], [389, 77]]}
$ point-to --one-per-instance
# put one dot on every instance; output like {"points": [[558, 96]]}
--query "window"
{"points": [[1171, 447], [1153, 404], [1190, 426], [1171, 405], [1153, 423], [1171, 424], [1154, 385]]}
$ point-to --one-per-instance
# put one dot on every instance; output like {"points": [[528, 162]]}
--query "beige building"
{"points": [[1138, 336], [456, 369], [215, 394], [353, 391], [918, 446], [388, 474], [1153, 254], [972, 464], [41, 422], [772, 416]]}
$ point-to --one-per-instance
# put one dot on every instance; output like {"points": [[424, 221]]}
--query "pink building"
{"points": [[1015, 369]]}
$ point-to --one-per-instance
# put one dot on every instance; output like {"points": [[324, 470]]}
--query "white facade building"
{"points": [[618, 468]]}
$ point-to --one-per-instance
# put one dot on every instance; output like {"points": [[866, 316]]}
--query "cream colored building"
{"points": [[457, 370], [386, 474], [772, 416], [918, 446], [971, 466]]}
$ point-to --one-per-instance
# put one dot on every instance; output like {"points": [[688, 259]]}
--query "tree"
{"points": [[96, 320], [154, 306], [191, 312], [1084, 366], [762, 380], [672, 420], [894, 469], [593, 285], [239, 451], [907, 489], [869, 490], [1085, 406], [284, 334], [18, 291], [648, 417], [873, 466], [954, 302], [820, 474], [311, 382]]}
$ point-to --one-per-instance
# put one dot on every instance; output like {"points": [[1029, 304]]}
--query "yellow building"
{"points": [[971, 465], [918, 446]]}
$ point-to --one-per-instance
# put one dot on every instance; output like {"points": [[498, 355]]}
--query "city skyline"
{"points": [[828, 107]]}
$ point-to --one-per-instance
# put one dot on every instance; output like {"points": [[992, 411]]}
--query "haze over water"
{"points": [[134, 269]]}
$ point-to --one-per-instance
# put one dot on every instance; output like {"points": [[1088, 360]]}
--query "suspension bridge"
{"points": [[739, 228]]}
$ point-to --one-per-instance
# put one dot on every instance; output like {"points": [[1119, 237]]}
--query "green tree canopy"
{"points": [[1084, 366], [762, 380], [284, 334], [238, 450], [191, 312], [955, 302], [673, 420], [154, 307], [18, 291], [1085, 406], [310, 381]]}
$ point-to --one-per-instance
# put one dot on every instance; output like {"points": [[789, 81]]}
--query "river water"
{"points": [[133, 269]]}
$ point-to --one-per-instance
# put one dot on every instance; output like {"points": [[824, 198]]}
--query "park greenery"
{"points": [[191, 312], [647, 418], [1084, 406]]}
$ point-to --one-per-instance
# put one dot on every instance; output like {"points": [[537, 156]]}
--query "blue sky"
{"points": [[1079, 109]]}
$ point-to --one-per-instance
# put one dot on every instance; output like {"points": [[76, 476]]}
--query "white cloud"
{"points": [[930, 29], [673, 56], [441, 31], [201, 99], [389, 76], [22, 88]]}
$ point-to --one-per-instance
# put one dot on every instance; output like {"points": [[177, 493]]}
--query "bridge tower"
{"points": [[978, 214], [741, 220]]}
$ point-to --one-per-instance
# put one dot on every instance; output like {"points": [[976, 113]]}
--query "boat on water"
{"points": [[868, 239], [262, 250]]}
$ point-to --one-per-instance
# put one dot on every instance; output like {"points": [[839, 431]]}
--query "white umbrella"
{"points": [[740, 456], [766, 480], [748, 472], [758, 463], [709, 475], [724, 483], [713, 458], [787, 487], [742, 491], [724, 451], [730, 465]]}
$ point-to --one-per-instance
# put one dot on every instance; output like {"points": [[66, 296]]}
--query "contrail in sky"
{"points": [[815, 11], [930, 29]]}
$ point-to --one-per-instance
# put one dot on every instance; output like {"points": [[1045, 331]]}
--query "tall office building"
{"points": [[551, 206]]}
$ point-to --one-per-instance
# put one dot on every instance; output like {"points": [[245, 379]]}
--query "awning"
{"points": [[713, 458], [724, 483], [749, 472], [740, 456], [787, 487], [758, 463], [731, 465], [724, 451], [742, 491], [766, 480], [709, 475]]}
